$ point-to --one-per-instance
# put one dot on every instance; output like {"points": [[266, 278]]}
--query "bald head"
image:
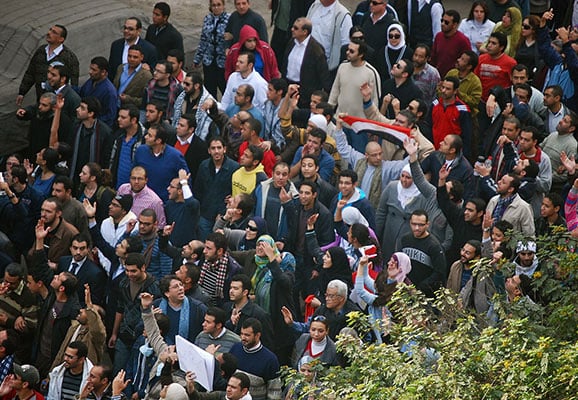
{"points": [[373, 153]]}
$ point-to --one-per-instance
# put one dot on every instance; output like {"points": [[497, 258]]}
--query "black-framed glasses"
{"points": [[128, 28]]}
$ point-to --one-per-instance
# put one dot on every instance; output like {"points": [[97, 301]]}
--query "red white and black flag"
{"points": [[391, 133]]}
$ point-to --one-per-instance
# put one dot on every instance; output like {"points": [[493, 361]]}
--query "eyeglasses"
{"points": [[526, 26], [446, 21], [350, 51], [187, 84], [331, 295], [394, 36], [376, 3], [319, 318], [128, 28], [252, 228]]}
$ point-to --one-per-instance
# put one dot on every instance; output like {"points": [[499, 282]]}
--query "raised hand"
{"points": [[119, 384], [444, 172], [284, 197], [40, 232], [146, 299], [183, 175], [311, 221], [168, 229], [366, 91], [87, 297], [287, 316], [89, 208]]}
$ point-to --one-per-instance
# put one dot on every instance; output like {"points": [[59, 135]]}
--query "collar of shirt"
{"points": [[79, 263], [126, 44], [187, 141], [559, 113], [55, 52], [60, 89], [304, 43]]}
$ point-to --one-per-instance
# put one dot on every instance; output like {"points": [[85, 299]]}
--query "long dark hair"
{"points": [[361, 233], [481, 3]]}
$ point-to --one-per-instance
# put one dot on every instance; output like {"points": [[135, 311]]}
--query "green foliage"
{"points": [[451, 353]]}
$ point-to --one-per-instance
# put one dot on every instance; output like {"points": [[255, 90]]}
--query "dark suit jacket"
{"points": [[89, 273], [195, 154], [115, 57], [314, 70]]}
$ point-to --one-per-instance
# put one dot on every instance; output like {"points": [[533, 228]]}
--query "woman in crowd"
{"points": [[211, 51], [43, 175], [315, 345], [94, 188], [527, 50], [511, 26], [377, 293], [241, 240], [398, 200], [395, 50], [477, 27]]}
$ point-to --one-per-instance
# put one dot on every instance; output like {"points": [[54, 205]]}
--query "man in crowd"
{"points": [[213, 184], [131, 31], [161, 160], [68, 379], [245, 74], [304, 62], [449, 44], [54, 51], [214, 332], [428, 263], [243, 15], [163, 35], [131, 77], [100, 86], [182, 210], [163, 88]]}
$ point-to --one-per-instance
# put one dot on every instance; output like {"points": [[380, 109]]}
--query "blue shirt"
{"points": [[124, 162], [106, 93], [326, 163]]}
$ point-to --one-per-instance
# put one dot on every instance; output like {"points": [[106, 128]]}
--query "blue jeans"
{"points": [[121, 355], [205, 227]]}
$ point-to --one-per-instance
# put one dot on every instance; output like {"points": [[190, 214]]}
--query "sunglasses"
{"points": [[394, 36], [526, 26], [446, 22], [376, 3], [129, 28], [252, 228], [319, 318]]}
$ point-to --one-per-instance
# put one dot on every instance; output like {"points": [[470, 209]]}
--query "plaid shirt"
{"points": [[6, 366]]}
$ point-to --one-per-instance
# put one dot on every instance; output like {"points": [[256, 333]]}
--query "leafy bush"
{"points": [[451, 353]]}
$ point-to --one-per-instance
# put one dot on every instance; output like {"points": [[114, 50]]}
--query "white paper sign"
{"points": [[193, 358]]}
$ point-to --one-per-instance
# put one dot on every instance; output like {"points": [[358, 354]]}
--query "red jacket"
{"points": [[453, 119], [270, 69]]}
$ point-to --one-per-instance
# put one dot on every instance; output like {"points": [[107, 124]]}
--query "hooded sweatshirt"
{"points": [[245, 181], [265, 60]]}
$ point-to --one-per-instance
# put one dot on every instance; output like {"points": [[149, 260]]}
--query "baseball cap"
{"points": [[28, 373]]}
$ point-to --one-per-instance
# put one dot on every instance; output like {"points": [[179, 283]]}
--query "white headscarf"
{"points": [[401, 40], [405, 196], [352, 215]]}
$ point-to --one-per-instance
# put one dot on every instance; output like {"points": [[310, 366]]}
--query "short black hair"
{"points": [[218, 239], [133, 111], [245, 281], [473, 58], [477, 245], [138, 22], [454, 80], [137, 48], [425, 47], [219, 314], [161, 132], [64, 30], [165, 282], [279, 84], [178, 54], [254, 125], [81, 348], [135, 259], [502, 39], [246, 204], [532, 169], [309, 183], [318, 133], [253, 323], [15, 269], [421, 213], [454, 14], [531, 129], [93, 105], [149, 212], [256, 151], [480, 204], [244, 380], [349, 173], [101, 63], [555, 198], [64, 180], [163, 8], [81, 237]]}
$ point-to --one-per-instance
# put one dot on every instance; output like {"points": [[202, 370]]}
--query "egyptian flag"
{"points": [[391, 133]]}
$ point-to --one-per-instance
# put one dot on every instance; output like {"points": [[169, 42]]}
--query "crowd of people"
{"points": [[248, 203]]}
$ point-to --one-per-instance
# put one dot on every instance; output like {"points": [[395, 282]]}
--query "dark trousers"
{"points": [[279, 43], [214, 78]]}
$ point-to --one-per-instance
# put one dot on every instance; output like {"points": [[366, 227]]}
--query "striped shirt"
{"points": [[70, 385]]}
